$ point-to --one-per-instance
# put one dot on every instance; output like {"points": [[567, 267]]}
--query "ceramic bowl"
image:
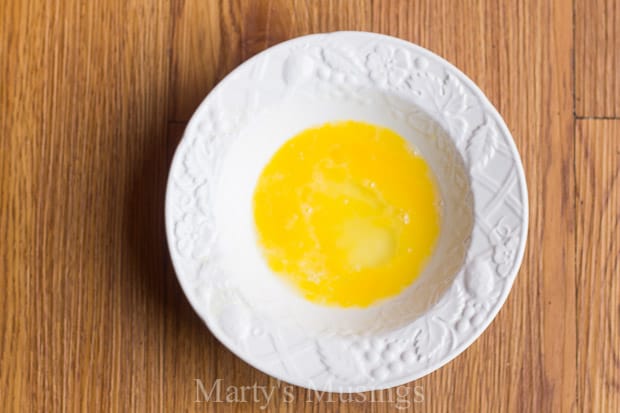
{"points": [[306, 82]]}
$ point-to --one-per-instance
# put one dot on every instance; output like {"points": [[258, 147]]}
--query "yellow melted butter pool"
{"points": [[347, 213]]}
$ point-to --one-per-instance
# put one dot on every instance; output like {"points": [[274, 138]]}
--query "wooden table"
{"points": [[94, 96]]}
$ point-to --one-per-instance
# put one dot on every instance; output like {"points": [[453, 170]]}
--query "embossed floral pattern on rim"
{"points": [[479, 289]]}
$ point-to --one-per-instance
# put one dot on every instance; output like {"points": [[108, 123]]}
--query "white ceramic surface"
{"points": [[306, 82]]}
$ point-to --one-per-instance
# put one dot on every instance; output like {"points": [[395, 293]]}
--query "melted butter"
{"points": [[347, 213]]}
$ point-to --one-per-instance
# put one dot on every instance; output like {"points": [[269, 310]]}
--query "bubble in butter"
{"points": [[347, 213]]}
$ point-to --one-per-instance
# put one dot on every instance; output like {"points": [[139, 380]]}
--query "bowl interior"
{"points": [[236, 256]]}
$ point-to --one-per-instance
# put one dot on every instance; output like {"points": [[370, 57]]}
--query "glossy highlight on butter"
{"points": [[347, 213]]}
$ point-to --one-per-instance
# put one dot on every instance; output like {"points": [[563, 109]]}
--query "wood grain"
{"points": [[597, 58], [94, 97], [84, 93], [598, 262]]}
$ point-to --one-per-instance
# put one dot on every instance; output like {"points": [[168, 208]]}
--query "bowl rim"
{"points": [[509, 279]]}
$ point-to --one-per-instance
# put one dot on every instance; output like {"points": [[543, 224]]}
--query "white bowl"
{"points": [[305, 82]]}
